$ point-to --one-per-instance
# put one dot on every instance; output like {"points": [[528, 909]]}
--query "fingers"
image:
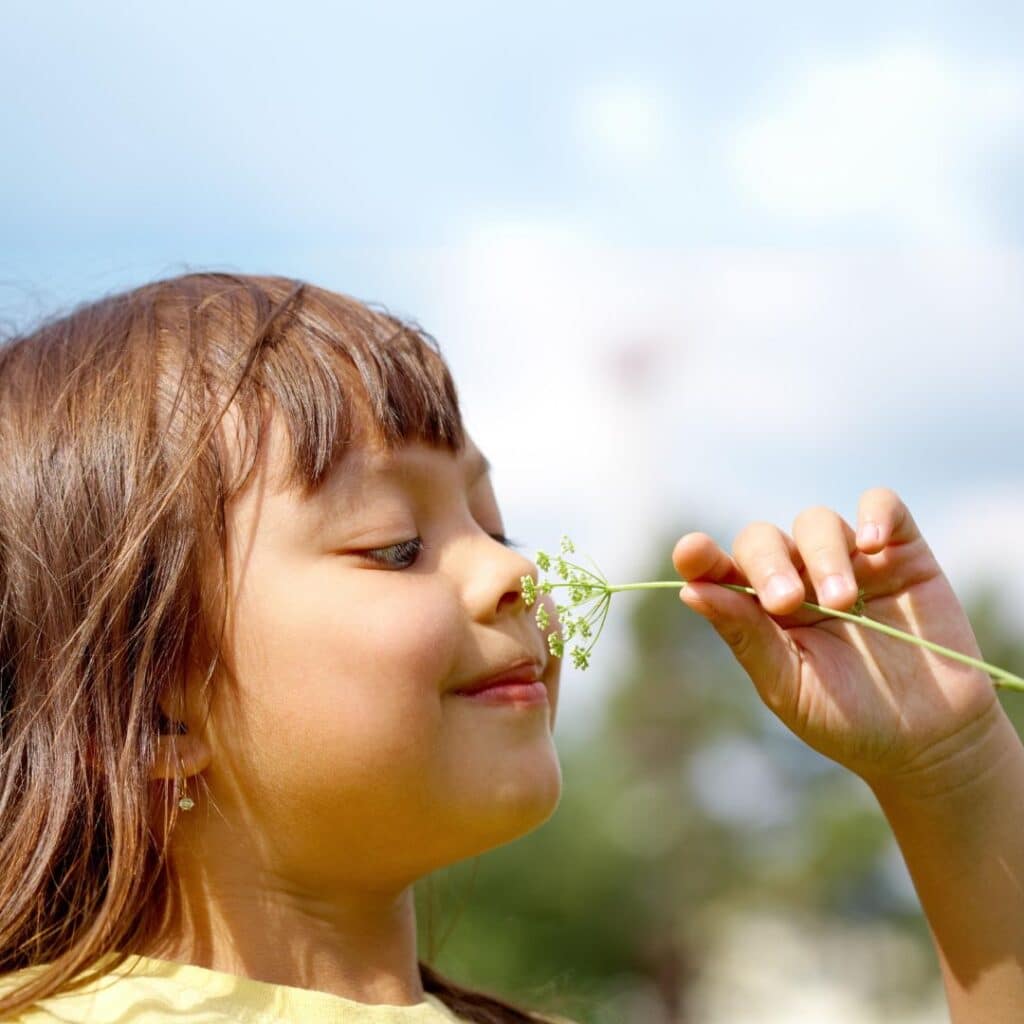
{"points": [[822, 546], [884, 519], [781, 569], [764, 558], [697, 556], [820, 553], [757, 641], [827, 543], [764, 649], [772, 562]]}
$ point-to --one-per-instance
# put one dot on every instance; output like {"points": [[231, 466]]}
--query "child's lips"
{"points": [[509, 693], [523, 674]]}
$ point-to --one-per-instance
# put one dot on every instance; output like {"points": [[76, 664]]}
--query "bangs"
{"points": [[343, 374]]}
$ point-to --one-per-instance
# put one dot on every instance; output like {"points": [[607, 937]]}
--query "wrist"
{"points": [[970, 762], [957, 821]]}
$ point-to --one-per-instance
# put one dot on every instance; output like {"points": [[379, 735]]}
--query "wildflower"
{"points": [[542, 617], [589, 600], [580, 657], [590, 597]]}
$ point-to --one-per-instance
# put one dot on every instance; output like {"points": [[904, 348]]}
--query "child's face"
{"points": [[347, 751]]}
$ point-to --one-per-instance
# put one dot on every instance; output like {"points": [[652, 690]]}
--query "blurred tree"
{"points": [[689, 798]]}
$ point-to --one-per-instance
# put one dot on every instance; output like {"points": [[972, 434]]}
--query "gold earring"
{"points": [[186, 803]]}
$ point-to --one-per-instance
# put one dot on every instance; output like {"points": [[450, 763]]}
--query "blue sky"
{"points": [[158, 127], [802, 222]]}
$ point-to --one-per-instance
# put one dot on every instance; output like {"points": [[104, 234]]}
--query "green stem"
{"points": [[1000, 676]]}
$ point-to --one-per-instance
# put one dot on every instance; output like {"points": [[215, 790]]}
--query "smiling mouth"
{"points": [[525, 693], [524, 672]]}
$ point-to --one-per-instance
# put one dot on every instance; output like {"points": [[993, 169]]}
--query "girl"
{"points": [[250, 564]]}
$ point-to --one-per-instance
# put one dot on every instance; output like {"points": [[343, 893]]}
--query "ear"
{"points": [[184, 753], [180, 748]]}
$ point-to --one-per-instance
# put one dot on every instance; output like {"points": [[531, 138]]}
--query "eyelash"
{"points": [[415, 547]]}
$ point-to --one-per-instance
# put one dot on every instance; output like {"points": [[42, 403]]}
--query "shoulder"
{"points": [[106, 997]]}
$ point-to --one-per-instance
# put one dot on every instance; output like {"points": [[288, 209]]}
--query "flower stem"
{"points": [[1000, 676]]}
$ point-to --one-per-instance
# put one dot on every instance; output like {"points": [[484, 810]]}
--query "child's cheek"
{"points": [[412, 635], [350, 716]]}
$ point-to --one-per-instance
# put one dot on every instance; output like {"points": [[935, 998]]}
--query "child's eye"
{"points": [[403, 555]]}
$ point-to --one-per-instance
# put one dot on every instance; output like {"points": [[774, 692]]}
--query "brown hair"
{"points": [[112, 493]]}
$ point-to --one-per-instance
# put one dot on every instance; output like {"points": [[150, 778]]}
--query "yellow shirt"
{"points": [[161, 991]]}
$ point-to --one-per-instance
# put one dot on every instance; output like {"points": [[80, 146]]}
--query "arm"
{"points": [[961, 832], [927, 735]]}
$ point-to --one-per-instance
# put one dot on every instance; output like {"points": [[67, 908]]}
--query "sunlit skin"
{"points": [[877, 706], [346, 770]]}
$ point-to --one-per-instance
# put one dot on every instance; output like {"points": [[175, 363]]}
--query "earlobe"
{"points": [[180, 755]]}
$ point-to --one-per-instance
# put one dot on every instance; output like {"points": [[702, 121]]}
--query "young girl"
{"points": [[250, 565]]}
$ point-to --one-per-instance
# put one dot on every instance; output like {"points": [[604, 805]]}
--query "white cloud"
{"points": [[902, 134]]}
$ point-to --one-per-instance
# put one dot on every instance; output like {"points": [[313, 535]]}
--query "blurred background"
{"points": [[692, 265]]}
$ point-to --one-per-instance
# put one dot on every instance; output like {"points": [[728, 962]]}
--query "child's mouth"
{"points": [[509, 693]]}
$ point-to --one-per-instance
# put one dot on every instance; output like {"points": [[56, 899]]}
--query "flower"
{"points": [[585, 588], [590, 597], [542, 617]]}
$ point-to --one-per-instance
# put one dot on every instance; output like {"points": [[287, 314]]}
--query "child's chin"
{"points": [[520, 806]]}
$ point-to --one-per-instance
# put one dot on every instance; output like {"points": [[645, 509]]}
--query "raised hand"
{"points": [[877, 705]]}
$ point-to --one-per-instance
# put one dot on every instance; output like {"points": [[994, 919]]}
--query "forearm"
{"points": [[961, 832]]}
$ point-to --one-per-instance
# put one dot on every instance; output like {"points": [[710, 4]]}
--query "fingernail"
{"points": [[833, 588], [868, 534], [779, 587]]}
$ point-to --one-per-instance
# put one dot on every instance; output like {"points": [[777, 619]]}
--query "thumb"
{"points": [[766, 651]]}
